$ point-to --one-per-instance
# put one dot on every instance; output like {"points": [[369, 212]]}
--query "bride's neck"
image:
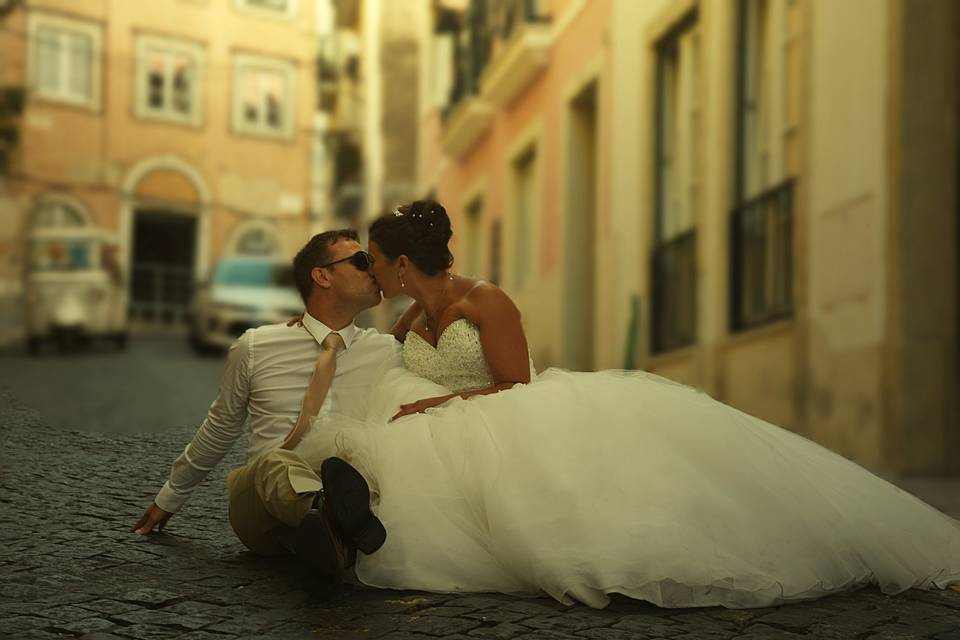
{"points": [[432, 292]]}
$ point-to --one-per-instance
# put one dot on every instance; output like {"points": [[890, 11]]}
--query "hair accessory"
{"points": [[396, 213]]}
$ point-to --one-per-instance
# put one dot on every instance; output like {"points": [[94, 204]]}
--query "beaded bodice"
{"points": [[456, 362]]}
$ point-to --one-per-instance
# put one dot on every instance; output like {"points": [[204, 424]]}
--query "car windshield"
{"points": [[254, 274]]}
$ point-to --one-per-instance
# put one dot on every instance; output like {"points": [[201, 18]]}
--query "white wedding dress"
{"points": [[585, 484]]}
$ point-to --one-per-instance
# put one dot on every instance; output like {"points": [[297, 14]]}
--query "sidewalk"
{"points": [[69, 567]]}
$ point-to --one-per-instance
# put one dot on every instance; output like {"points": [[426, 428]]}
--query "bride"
{"points": [[584, 484]]}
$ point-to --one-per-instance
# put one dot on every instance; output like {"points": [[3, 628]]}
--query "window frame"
{"points": [[761, 220], [37, 20], [254, 226], [474, 236], [524, 218], [142, 108], [247, 7], [673, 252], [243, 62], [63, 202]]}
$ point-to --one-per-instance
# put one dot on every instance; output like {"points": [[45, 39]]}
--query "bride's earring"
{"points": [[401, 281]]}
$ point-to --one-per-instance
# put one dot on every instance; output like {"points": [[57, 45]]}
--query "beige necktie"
{"points": [[323, 372]]}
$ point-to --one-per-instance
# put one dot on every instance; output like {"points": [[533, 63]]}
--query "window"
{"points": [[677, 187], [761, 225], [768, 93], [274, 8], [64, 59], [257, 242], [473, 236], [264, 98], [56, 213], [440, 78], [524, 211], [169, 80]]}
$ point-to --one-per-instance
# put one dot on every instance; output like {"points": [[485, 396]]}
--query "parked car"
{"points": [[241, 293], [74, 289]]}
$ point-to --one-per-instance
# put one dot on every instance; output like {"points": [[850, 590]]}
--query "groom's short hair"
{"points": [[315, 253]]}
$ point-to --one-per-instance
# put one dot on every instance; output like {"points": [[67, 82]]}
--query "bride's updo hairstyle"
{"points": [[419, 230]]}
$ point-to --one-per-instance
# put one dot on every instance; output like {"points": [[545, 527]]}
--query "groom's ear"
{"points": [[320, 277]]}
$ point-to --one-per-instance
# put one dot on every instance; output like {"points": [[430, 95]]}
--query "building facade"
{"points": [[754, 197], [368, 112], [369, 67], [184, 127]]}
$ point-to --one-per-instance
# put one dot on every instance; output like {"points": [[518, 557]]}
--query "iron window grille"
{"points": [[674, 292], [761, 247]]}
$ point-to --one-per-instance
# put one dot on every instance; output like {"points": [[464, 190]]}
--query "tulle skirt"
{"points": [[584, 484]]}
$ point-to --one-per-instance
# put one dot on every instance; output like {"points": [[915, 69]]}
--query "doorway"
{"points": [[164, 251], [580, 230]]}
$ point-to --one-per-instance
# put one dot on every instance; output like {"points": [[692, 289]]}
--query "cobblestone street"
{"points": [[70, 568]]}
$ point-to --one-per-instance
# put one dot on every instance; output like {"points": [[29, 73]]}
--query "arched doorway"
{"points": [[165, 215]]}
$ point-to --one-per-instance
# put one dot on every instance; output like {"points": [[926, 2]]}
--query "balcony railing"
{"points": [[519, 12], [674, 310], [471, 52], [761, 251], [482, 23]]}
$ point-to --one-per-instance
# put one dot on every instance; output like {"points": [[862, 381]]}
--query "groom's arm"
{"points": [[403, 324], [223, 425]]}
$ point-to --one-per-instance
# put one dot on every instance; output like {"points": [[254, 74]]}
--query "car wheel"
{"points": [[198, 346], [68, 340], [33, 346], [120, 340]]}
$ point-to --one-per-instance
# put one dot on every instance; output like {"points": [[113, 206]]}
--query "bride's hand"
{"points": [[419, 406], [295, 320]]}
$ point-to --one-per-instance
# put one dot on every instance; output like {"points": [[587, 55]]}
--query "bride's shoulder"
{"points": [[485, 298]]}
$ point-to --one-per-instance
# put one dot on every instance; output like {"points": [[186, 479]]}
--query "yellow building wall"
{"points": [[100, 156]]}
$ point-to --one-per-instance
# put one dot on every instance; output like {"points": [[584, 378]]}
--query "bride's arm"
{"points": [[401, 326], [502, 339]]}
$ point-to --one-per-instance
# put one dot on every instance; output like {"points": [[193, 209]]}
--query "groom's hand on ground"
{"points": [[154, 516]]}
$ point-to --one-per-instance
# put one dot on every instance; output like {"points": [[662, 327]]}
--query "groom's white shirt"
{"points": [[266, 375]]}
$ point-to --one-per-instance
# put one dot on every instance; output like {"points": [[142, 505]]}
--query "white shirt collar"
{"points": [[320, 331]]}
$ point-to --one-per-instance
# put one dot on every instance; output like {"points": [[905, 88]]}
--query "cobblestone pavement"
{"points": [[70, 568], [99, 388]]}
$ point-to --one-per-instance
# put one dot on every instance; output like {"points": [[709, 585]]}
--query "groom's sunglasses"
{"points": [[361, 260]]}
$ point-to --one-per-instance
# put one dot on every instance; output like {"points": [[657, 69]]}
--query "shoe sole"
{"points": [[348, 497]]}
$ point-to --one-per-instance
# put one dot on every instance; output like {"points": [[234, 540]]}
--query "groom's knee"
{"points": [[285, 485]]}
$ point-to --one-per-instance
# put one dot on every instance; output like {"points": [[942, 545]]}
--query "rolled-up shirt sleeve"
{"points": [[222, 427]]}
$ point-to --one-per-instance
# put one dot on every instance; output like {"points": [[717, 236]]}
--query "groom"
{"points": [[276, 502]]}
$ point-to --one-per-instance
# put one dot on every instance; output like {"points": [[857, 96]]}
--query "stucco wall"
{"points": [[847, 222]]}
